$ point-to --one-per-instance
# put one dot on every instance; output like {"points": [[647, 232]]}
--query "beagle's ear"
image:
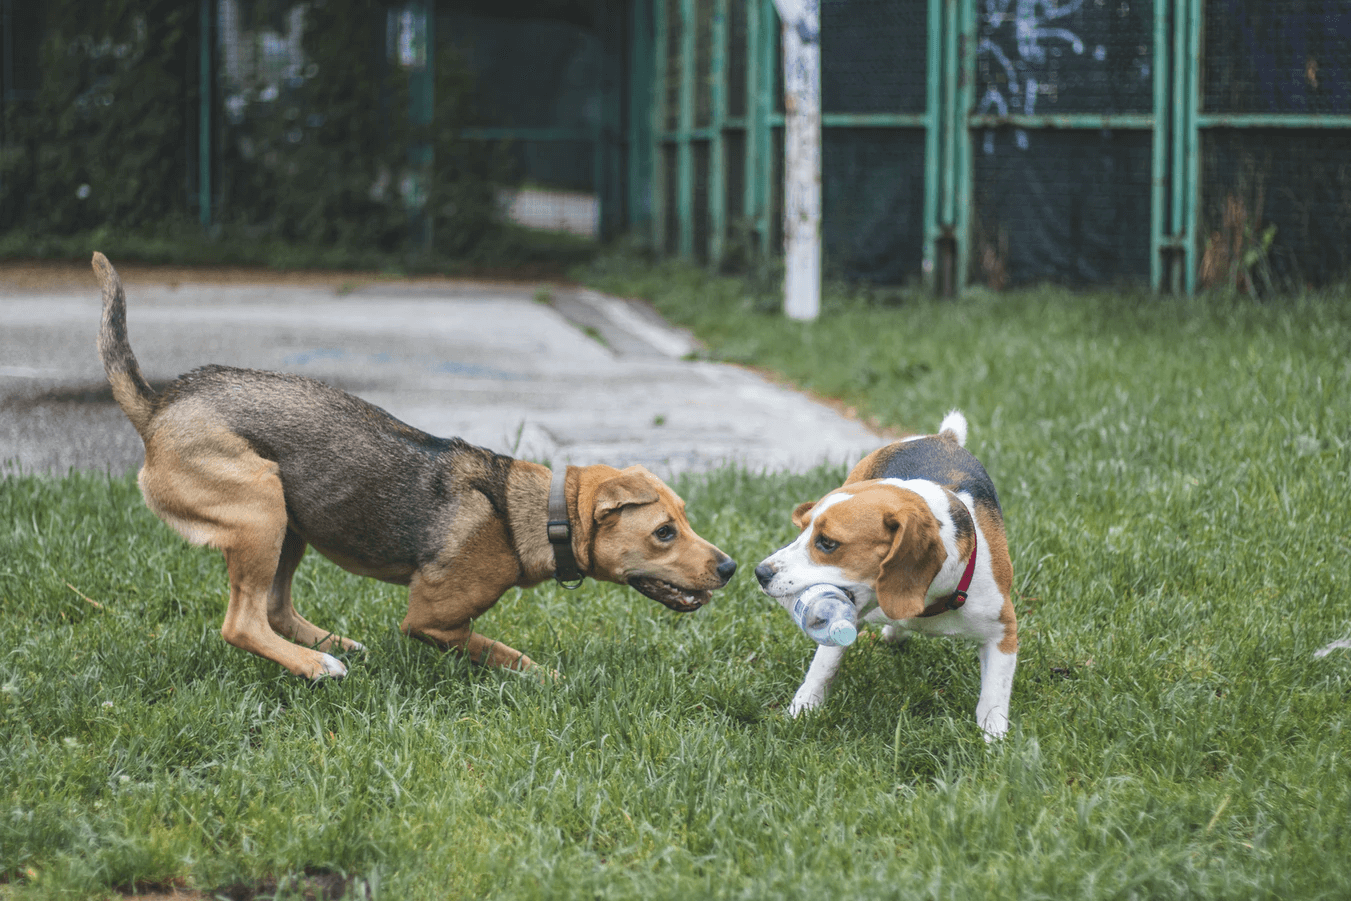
{"points": [[916, 556], [631, 487], [800, 513]]}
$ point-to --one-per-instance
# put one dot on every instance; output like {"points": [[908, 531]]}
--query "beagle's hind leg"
{"points": [[281, 612], [214, 489]]}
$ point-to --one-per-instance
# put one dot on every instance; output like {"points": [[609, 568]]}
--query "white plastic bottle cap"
{"points": [[843, 633]]}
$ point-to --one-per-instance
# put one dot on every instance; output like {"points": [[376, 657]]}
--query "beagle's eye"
{"points": [[665, 533], [826, 545]]}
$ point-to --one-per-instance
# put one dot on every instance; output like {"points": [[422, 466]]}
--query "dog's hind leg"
{"points": [[281, 613], [213, 489], [253, 550]]}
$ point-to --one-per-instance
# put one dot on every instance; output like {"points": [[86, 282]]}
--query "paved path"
{"points": [[579, 378]]}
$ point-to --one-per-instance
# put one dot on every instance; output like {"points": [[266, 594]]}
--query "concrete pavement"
{"points": [[567, 376]]}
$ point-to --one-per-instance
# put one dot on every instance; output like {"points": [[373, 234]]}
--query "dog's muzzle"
{"points": [[681, 600]]}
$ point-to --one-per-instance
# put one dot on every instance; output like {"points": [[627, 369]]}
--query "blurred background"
{"points": [[1183, 144]]}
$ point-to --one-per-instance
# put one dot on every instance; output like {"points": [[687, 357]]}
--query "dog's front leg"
{"points": [[442, 612], [996, 684], [816, 685], [461, 637]]}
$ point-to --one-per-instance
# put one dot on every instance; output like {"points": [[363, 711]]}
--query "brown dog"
{"points": [[262, 465]]}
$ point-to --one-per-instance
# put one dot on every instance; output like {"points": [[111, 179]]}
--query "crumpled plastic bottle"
{"points": [[826, 614]]}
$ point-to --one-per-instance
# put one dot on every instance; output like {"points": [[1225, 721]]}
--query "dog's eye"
{"points": [[826, 545], [665, 533]]}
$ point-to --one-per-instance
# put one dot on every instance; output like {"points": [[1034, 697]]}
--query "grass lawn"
{"points": [[1175, 480]]}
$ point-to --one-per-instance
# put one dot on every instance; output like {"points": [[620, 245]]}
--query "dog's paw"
{"points": [[544, 675], [330, 668], [995, 725], [808, 697], [894, 635]]}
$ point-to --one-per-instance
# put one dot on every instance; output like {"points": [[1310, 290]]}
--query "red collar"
{"points": [[958, 597]]}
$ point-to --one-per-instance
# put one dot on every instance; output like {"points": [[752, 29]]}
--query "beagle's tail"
{"points": [[130, 389], [955, 423]]}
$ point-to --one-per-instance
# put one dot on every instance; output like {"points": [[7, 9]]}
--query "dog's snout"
{"points": [[726, 569], [763, 573]]}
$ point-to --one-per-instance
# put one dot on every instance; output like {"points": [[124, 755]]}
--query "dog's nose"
{"points": [[764, 572], [726, 569]]}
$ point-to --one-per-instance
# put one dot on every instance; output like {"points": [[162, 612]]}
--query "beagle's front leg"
{"points": [[816, 685], [996, 684]]}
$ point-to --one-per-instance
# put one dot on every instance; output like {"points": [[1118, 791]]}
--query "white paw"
{"points": [[808, 697], [895, 635], [333, 667], [995, 725], [356, 646]]}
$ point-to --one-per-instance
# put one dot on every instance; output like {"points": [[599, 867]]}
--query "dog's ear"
{"points": [[800, 513], [632, 486], [916, 556]]}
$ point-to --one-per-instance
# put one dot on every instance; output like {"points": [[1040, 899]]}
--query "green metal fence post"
{"points": [[659, 198], [751, 162], [641, 64], [421, 103], [605, 130], [717, 176], [1177, 169], [965, 105], [1193, 173], [1158, 162], [952, 122], [769, 43], [205, 73], [685, 151], [933, 132]]}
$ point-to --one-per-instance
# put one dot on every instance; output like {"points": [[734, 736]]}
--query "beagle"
{"points": [[915, 536], [263, 465]]}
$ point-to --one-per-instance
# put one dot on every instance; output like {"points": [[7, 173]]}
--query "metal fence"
{"points": [[1182, 143], [1187, 143]]}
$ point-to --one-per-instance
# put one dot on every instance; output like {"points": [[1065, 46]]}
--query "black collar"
{"points": [[560, 533]]}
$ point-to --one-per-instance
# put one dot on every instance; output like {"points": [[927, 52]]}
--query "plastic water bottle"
{"points": [[827, 615]]}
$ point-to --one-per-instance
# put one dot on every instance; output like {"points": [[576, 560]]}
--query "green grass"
{"points": [[1176, 478]]}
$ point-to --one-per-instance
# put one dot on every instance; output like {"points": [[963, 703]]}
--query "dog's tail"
{"points": [[955, 423], [130, 389]]}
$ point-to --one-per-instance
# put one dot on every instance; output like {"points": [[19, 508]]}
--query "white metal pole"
{"points": [[802, 157]]}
